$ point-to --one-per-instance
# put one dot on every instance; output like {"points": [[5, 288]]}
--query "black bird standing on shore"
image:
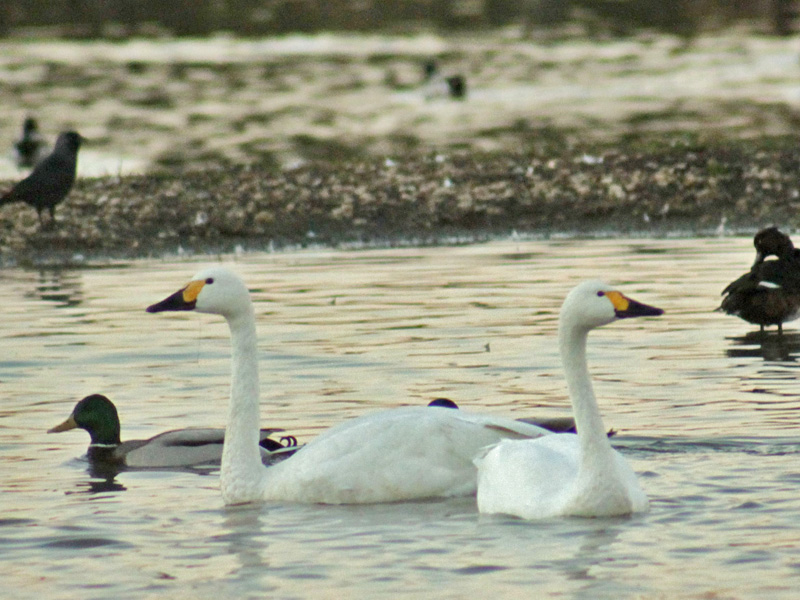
{"points": [[51, 180], [31, 147], [770, 293]]}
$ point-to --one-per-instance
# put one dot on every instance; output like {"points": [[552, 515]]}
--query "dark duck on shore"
{"points": [[31, 147], [178, 448], [770, 293], [51, 179]]}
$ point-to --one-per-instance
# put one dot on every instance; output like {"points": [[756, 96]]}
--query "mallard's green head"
{"points": [[97, 415]]}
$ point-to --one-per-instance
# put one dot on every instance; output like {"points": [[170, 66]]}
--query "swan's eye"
{"points": [[600, 294], [210, 280]]}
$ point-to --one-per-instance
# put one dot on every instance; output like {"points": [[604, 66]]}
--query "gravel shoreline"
{"points": [[425, 199]]}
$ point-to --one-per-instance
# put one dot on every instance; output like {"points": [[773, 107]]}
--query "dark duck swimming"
{"points": [[769, 294]]}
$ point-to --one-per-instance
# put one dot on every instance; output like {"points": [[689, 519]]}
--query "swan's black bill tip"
{"points": [[174, 302], [638, 309]]}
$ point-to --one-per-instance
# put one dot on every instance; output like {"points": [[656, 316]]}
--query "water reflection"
{"points": [[244, 538], [768, 345], [103, 479], [64, 288], [103, 476], [102, 485], [591, 553]]}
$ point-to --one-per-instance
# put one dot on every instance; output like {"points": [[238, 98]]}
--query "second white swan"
{"points": [[399, 454], [567, 474]]}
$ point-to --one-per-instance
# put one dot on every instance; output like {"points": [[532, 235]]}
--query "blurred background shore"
{"points": [[131, 18], [667, 114]]}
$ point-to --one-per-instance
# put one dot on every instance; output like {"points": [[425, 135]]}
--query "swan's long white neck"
{"points": [[595, 448], [241, 471]]}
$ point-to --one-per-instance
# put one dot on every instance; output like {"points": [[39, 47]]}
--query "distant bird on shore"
{"points": [[439, 86], [770, 293], [31, 147], [51, 179]]}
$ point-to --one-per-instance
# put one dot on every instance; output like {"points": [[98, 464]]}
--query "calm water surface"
{"points": [[706, 412]]}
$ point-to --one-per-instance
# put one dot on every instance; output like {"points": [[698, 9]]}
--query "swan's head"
{"points": [[594, 303], [216, 290]]}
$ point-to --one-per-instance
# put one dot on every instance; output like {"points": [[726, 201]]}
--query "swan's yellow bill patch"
{"points": [[619, 301], [191, 291]]}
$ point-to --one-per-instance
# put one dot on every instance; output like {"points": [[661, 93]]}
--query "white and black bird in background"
{"points": [[440, 86], [31, 147]]}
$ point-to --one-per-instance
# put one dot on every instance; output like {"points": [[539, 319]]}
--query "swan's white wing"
{"points": [[613, 492], [401, 454], [537, 479], [531, 479], [636, 496]]}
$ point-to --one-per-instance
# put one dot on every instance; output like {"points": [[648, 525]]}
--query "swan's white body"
{"points": [[567, 474], [401, 454]]}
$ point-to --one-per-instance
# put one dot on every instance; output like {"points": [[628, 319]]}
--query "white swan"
{"points": [[566, 474], [400, 454]]}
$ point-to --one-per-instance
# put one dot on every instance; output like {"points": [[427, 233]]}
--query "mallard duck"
{"points": [[406, 453], [769, 294], [566, 474], [171, 449]]}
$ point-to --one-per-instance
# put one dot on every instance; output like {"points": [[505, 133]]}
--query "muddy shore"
{"points": [[431, 198]]}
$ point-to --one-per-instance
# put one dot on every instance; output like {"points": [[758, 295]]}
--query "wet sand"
{"points": [[433, 198]]}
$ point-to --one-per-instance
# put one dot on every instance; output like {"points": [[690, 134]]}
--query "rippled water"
{"points": [[706, 412]]}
